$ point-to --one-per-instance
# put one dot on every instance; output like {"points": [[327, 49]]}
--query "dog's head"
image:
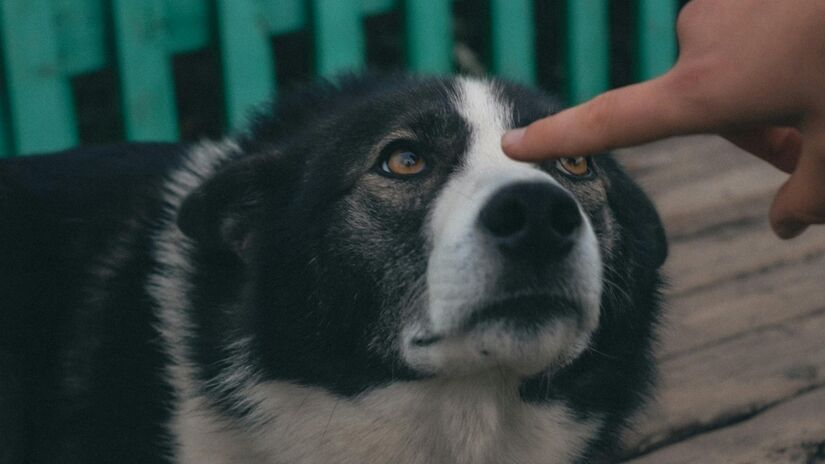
{"points": [[374, 230]]}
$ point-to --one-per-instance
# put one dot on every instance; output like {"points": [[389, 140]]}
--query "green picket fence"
{"points": [[46, 43]]}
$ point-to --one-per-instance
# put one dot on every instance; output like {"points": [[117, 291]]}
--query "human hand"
{"points": [[752, 71]]}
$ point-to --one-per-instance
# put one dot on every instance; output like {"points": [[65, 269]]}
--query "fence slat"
{"points": [[40, 97], [188, 25], [429, 35], [656, 37], [291, 15], [339, 37], [5, 120], [284, 15], [513, 39], [248, 67], [371, 7], [588, 57], [80, 28], [145, 70], [5, 147]]}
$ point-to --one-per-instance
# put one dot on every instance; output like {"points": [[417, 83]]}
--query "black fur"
{"points": [[79, 331]]}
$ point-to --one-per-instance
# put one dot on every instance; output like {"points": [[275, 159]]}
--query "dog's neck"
{"points": [[474, 419]]}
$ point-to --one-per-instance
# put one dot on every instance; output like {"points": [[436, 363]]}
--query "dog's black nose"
{"points": [[533, 220]]}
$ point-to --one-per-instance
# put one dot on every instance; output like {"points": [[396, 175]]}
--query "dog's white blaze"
{"points": [[462, 268], [455, 279]]}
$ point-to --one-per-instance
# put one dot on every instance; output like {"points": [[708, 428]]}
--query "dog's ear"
{"points": [[221, 213]]}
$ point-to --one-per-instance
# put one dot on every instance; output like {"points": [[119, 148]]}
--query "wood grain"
{"points": [[737, 306], [733, 379], [790, 432], [743, 338]]}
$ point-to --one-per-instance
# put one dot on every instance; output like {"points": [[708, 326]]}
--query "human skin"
{"points": [[752, 71]]}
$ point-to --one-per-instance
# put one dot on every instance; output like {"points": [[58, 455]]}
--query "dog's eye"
{"points": [[403, 163], [578, 166]]}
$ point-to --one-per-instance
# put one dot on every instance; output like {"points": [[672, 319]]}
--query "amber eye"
{"points": [[578, 166], [403, 163]]}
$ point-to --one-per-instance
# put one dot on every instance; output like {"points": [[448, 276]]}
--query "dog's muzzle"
{"points": [[515, 282]]}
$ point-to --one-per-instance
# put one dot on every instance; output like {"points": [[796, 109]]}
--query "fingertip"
{"points": [[800, 201], [511, 142], [787, 230]]}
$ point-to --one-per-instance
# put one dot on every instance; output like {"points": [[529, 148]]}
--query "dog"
{"points": [[360, 276]]}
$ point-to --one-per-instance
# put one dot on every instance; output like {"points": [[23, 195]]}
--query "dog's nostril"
{"points": [[504, 217], [566, 219], [536, 219]]}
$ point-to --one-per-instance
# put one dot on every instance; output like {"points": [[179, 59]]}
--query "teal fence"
{"points": [[45, 44]]}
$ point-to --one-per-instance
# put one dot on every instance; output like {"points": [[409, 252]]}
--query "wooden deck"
{"points": [[742, 351]]}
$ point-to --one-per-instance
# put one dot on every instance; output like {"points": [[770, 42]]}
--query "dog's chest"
{"points": [[417, 422]]}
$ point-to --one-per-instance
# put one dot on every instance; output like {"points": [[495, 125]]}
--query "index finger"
{"points": [[623, 117]]}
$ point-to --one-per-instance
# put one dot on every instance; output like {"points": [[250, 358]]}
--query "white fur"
{"points": [[169, 285], [471, 420], [463, 268]]}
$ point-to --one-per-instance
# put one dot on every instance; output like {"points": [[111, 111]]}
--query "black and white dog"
{"points": [[361, 277]]}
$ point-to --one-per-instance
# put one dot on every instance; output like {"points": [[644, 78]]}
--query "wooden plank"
{"points": [[339, 36], [246, 57], [664, 165], [429, 35], [738, 306], [40, 98], [588, 51], [699, 183], [655, 37], [790, 432], [513, 37], [742, 194], [716, 385], [147, 86], [735, 252], [80, 27], [714, 200]]}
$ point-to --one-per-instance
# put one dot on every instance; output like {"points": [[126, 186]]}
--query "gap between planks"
{"points": [[792, 431], [738, 335], [732, 379]]}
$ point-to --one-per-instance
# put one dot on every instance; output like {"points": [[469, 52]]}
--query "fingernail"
{"points": [[513, 137], [789, 229]]}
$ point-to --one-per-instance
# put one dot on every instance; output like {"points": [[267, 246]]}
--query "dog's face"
{"points": [[513, 276], [386, 236]]}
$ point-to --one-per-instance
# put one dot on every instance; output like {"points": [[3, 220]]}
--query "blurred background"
{"points": [[102, 71]]}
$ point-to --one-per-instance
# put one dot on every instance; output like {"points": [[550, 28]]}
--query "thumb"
{"points": [[800, 202]]}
